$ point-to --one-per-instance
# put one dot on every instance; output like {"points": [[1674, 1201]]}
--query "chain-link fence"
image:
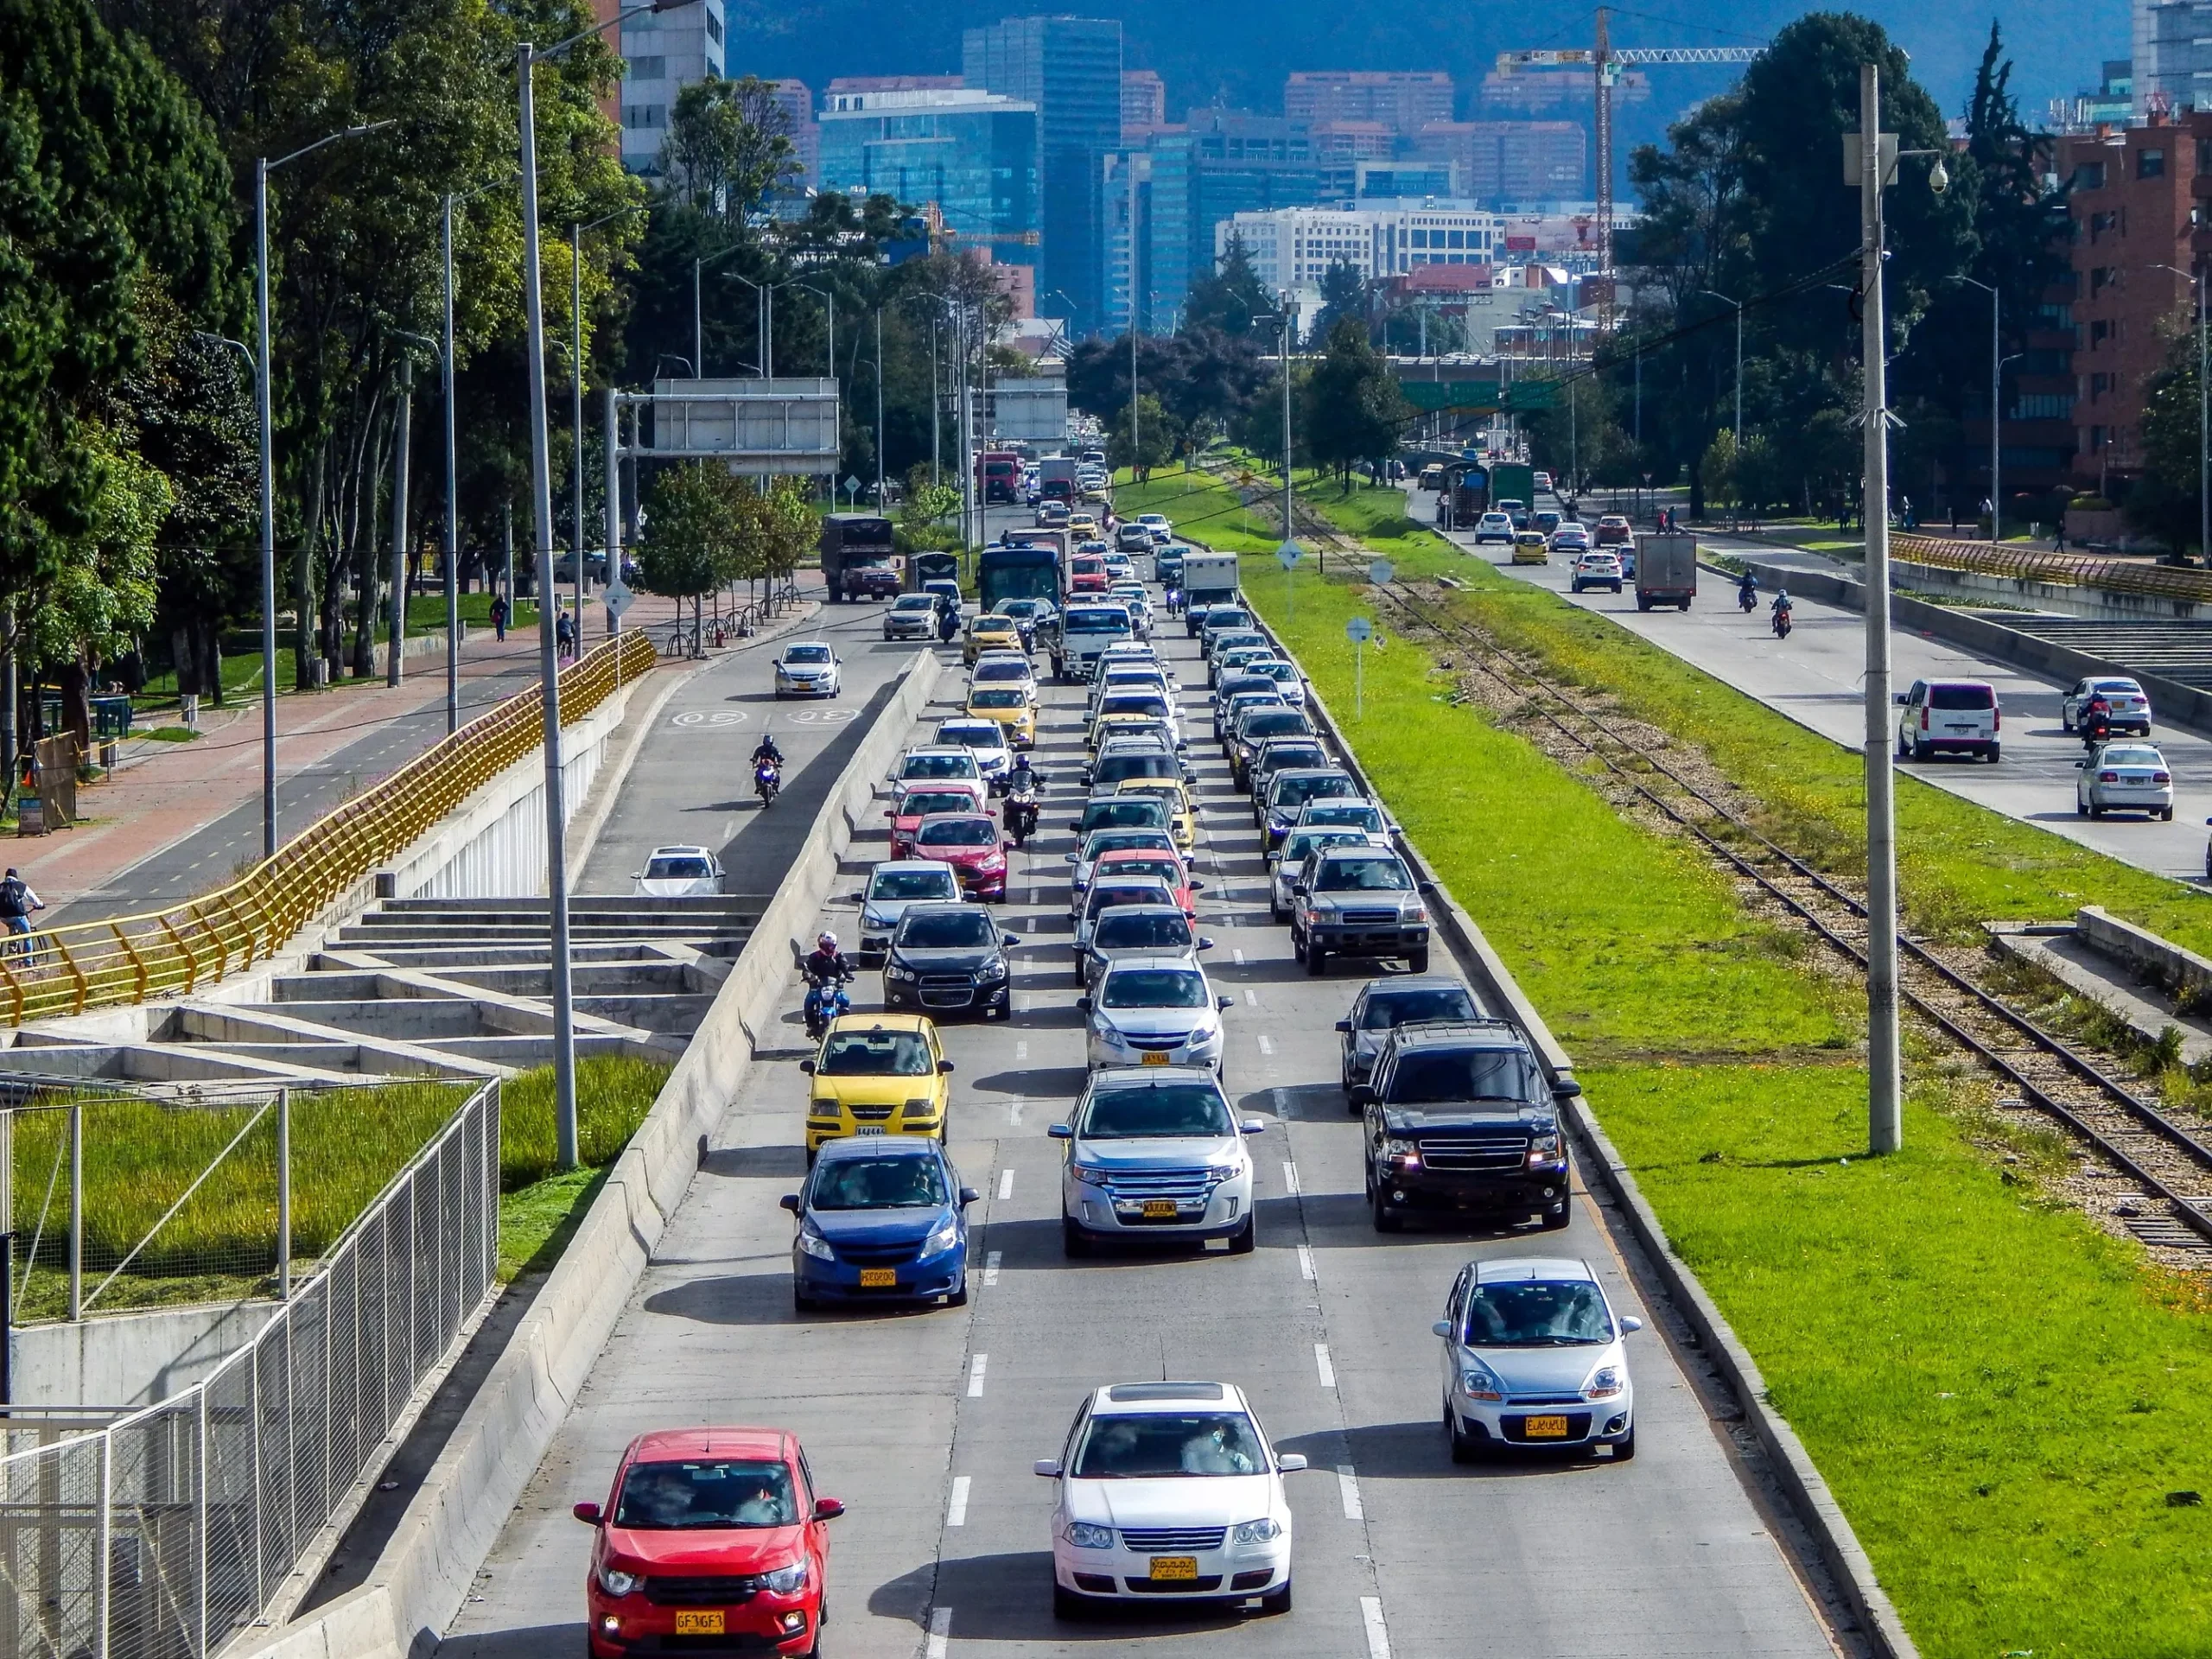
{"points": [[163, 1533]]}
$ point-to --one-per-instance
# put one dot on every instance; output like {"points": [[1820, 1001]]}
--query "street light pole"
{"points": [[453, 505], [1739, 304]]}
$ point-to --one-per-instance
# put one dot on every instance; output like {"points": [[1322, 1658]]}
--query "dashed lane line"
{"points": [[941, 1633], [1290, 1180], [975, 1369], [1320, 1364], [1006, 1184], [955, 1513], [1347, 1490], [1370, 1613], [1306, 1263], [1267, 1044], [991, 1269]]}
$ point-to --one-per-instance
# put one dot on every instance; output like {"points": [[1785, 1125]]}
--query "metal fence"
{"points": [[164, 1534], [2030, 565]]}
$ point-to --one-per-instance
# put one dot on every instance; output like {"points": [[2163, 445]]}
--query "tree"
{"points": [[1230, 296], [1352, 409], [729, 146], [694, 513], [1344, 294], [2163, 502], [1157, 433]]}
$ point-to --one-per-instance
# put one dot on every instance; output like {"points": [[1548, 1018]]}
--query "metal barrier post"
{"points": [[103, 1557], [7, 1257], [283, 1195], [199, 1525], [76, 1209]]}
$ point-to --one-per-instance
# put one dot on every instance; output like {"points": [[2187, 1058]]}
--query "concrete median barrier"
{"points": [[421, 1579]]}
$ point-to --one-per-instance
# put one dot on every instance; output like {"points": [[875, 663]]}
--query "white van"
{"points": [[1960, 716]]}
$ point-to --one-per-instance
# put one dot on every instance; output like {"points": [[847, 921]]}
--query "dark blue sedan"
{"points": [[881, 1219]]}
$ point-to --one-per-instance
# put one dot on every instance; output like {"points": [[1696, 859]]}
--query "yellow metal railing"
{"points": [[92, 964], [2028, 564]]}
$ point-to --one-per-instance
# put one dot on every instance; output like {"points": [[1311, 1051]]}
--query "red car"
{"points": [[1087, 573], [710, 1538], [969, 843], [947, 795], [1145, 861]]}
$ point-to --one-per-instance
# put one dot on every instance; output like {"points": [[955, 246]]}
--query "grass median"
{"points": [[2002, 1397]]}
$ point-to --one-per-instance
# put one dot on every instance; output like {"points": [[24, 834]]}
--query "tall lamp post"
{"points": [[1739, 304], [527, 58], [1997, 362], [576, 388], [262, 168], [2196, 280]]}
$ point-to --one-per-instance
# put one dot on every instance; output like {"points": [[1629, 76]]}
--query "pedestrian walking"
{"points": [[500, 616], [18, 901], [564, 635]]}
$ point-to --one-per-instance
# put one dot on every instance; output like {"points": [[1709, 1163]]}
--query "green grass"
{"points": [[2001, 1397], [168, 735]]}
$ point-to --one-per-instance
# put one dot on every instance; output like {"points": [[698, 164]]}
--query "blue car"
{"points": [[881, 1219]]}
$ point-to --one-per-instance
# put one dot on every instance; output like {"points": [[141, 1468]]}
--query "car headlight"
{"points": [[1084, 1535], [785, 1581], [1605, 1383], [618, 1583], [1263, 1531], [993, 969], [1111, 1033], [942, 1238], [1090, 1174], [892, 970], [921, 1106], [1544, 1148], [1412, 913], [1479, 1383], [1224, 1172], [812, 1243], [1398, 1146]]}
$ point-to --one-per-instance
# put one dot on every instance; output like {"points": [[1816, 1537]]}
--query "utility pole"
{"points": [[452, 502], [1288, 528], [399, 447], [576, 413], [881, 505]]}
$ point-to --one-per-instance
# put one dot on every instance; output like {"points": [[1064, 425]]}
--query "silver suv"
{"points": [[1155, 1152]]}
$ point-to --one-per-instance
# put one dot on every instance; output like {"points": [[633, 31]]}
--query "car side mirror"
{"points": [[806, 1067], [587, 1513], [1343, 1025], [1083, 1005], [2078, 765], [1898, 699], [636, 875], [1009, 938], [944, 1068], [1629, 1322], [1207, 944], [1361, 1094], [967, 1196], [1048, 1467], [1224, 1003], [1251, 1125], [1291, 1463], [828, 1508], [891, 812], [1070, 858], [1298, 890], [1075, 826], [1062, 1131], [1442, 1327], [1565, 1087], [789, 1201]]}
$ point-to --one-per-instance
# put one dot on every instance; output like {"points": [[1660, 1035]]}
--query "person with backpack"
{"points": [[18, 901]]}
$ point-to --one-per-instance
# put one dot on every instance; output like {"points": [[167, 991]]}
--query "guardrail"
{"points": [[93, 964], [2026, 564]]}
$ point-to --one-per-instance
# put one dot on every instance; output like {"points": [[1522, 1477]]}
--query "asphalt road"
{"points": [[1815, 677], [925, 1422]]}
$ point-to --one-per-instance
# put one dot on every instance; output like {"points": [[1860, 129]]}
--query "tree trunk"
{"points": [[209, 650], [304, 596], [181, 650], [77, 704]]}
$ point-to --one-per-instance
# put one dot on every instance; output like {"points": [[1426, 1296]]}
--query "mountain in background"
{"points": [[1236, 53]]}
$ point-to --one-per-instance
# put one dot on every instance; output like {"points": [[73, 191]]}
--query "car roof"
{"points": [[1978, 685], [797, 644], [665, 1444], [679, 852], [887, 1022], [968, 723], [1175, 911], [1146, 879], [1130, 853], [1526, 1269], [1168, 959], [934, 864], [1481, 1034], [1397, 982], [879, 1146]]}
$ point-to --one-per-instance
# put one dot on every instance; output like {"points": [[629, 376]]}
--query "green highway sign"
{"points": [[1478, 397]]}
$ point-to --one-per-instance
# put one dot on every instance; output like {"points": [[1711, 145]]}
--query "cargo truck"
{"points": [[860, 559], [1056, 477], [1666, 569], [1208, 578]]}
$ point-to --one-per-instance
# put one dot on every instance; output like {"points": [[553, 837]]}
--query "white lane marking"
{"points": [[1251, 997], [1023, 1003], [1036, 894], [1006, 1184], [1347, 1490], [941, 1631], [1370, 1613], [1306, 1263], [729, 829], [956, 1513], [1022, 1049], [991, 1269], [1267, 1044], [1239, 955], [1014, 1114], [1290, 1178], [975, 1375], [1320, 1364]]}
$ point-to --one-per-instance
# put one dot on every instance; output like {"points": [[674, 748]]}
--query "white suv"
{"points": [[1494, 527], [1534, 1357], [1957, 714], [1155, 1152], [1189, 1462]]}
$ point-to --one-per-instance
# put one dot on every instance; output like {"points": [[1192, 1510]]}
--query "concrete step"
{"points": [[597, 978], [677, 1013], [400, 1019], [523, 1052]]}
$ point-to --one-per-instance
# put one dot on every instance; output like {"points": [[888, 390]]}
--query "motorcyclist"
{"points": [[767, 754], [1022, 788], [1747, 590], [948, 626], [825, 962], [1780, 609], [2095, 722]]}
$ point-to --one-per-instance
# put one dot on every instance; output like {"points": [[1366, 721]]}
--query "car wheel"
{"points": [[1276, 1601], [1067, 1604], [1555, 1219], [1995, 751], [1624, 1447], [959, 1297], [2081, 810], [1387, 1220], [1075, 1244], [801, 1302], [1316, 959], [1243, 1242], [2065, 722], [2095, 811], [1417, 961], [1275, 911], [2167, 814], [1921, 751], [1297, 946], [1464, 1448]]}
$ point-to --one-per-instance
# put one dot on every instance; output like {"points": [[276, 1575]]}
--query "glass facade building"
{"points": [[972, 154]]}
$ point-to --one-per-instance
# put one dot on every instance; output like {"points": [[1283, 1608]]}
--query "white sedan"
{"points": [[808, 669], [1169, 1491], [2125, 777], [986, 740], [677, 873]]}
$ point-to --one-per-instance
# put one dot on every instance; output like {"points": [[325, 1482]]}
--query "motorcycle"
{"points": [[2096, 728], [825, 1001], [948, 629], [1782, 624], [1747, 600], [767, 783], [1021, 816]]}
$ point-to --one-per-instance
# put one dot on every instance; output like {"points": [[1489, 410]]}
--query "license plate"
{"points": [[1175, 1566], [1545, 1428], [700, 1623], [1159, 1209], [883, 1279], [868, 1129], [1153, 1057]]}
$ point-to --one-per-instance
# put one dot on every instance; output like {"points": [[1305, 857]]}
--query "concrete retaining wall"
{"points": [[432, 1558], [2097, 604], [2182, 972], [127, 1359]]}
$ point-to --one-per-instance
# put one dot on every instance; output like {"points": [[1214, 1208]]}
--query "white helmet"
{"points": [[827, 942]]}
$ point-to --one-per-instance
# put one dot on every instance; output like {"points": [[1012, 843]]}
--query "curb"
{"points": [[1800, 1479]]}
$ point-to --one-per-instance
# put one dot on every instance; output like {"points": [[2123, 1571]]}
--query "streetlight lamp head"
{"points": [[1939, 177]]}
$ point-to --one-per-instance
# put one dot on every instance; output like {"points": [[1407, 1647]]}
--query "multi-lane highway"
{"points": [[1815, 677], [926, 1422]]}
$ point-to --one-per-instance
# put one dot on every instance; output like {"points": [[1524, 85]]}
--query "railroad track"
{"points": [[2169, 1161]]}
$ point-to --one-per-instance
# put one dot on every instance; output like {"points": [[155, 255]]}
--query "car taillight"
{"points": [[2108, 777], [2162, 777], [1923, 720], [1996, 719]]}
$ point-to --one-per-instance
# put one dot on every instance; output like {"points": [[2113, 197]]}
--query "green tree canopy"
{"points": [[1157, 435], [729, 146], [1230, 296], [1350, 409]]}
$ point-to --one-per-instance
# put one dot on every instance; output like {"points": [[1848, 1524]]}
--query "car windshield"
{"points": [[920, 802], [1001, 667], [1362, 817], [807, 654], [940, 765], [1144, 931], [1962, 697], [1221, 621], [1361, 875], [1107, 894], [944, 929], [1275, 670], [998, 697], [1428, 1077], [2110, 756], [1163, 1446], [1016, 607], [1542, 1313], [1387, 1010], [1126, 811], [958, 832], [1154, 988], [1111, 840], [676, 869], [1275, 723], [914, 603], [2117, 689], [1095, 621], [1169, 869], [911, 883], [874, 1054], [974, 735], [1296, 791], [1147, 1111], [1134, 703], [1115, 768], [877, 1184], [1295, 755], [712, 1494], [1302, 841]]}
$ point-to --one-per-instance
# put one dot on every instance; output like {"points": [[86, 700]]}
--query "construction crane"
{"points": [[1606, 61]]}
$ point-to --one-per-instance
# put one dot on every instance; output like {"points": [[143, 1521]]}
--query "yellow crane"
{"points": [[1606, 61]]}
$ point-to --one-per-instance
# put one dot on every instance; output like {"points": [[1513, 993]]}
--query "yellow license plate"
{"points": [[885, 1278], [1153, 1057], [700, 1623], [1162, 1209], [1175, 1566], [1545, 1428]]}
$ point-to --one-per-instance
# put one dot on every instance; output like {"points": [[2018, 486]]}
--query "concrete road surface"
{"points": [[925, 1422]]}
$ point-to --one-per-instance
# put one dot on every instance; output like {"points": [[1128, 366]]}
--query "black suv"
{"points": [[1458, 1115], [1253, 727], [948, 959]]}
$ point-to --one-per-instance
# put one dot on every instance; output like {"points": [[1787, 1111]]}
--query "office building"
{"points": [[1351, 141], [1069, 70], [894, 84], [796, 102], [2110, 103], [662, 52], [970, 156], [1291, 247], [1403, 101], [1503, 161], [1144, 103]]}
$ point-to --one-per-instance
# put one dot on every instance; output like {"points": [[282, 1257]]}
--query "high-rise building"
{"points": [[1144, 103], [1351, 141], [1404, 101], [893, 84], [663, 52], [1513, 161], [796, 102], [1070, 69], [2111, 103], [970, 153]]}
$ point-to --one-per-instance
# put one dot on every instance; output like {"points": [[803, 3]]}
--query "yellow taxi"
{"points": [[989, 633], [1106, 725], [1531, 547], [877, 1074], [1082, 526], [1009, 705], [1182, 824]]}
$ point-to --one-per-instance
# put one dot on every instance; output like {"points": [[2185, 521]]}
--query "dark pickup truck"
{"points": [[1458, 1116]]}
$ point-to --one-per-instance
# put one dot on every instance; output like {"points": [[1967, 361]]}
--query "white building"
{"points": [[1291, 247], [663, 52]]}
